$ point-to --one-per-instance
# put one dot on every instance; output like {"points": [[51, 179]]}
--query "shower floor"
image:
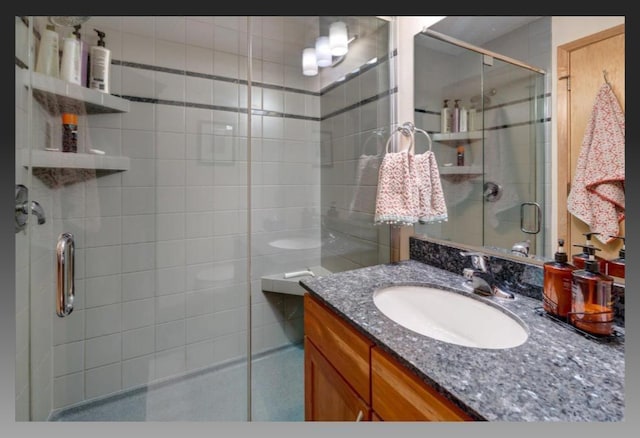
{"points": [[217, 395]]}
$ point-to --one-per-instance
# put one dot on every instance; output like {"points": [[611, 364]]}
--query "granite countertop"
{"points": [[556, 375]]}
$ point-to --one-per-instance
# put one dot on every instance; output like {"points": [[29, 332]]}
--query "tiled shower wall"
{"points": [[161, 249]]}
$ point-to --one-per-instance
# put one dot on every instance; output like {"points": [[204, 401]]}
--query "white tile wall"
{"points": [[161, 249]]}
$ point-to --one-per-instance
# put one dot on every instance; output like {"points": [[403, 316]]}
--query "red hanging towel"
{"points": [[597, 192]]}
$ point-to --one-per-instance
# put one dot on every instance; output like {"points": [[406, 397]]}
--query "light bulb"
{"points": [[323, 52], [309, 63], [338, 40]]}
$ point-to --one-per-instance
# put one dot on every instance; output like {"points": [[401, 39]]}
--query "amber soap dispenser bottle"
{"points": [[558, 277], [591, 303]]}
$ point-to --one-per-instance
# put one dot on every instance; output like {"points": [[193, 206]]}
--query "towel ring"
{"points": [[406, 133], [426, 134]]}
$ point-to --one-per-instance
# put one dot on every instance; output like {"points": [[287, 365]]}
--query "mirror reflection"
{"points": [[485, 113]]}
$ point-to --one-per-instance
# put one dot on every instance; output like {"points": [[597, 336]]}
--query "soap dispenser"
{"points": [[99, 65], [578, 259], [557, 283], [615, 267], [591, 302]]}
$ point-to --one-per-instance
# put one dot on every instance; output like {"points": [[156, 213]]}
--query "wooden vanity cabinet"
{"points": [[336, 365], [348, 378], [399, 395]]}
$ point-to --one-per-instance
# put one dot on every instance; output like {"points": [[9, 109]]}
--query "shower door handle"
{"points": [[538, 217], [65, 255]]}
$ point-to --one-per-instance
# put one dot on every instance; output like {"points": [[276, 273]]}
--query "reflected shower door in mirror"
{"points": [[489, 144]]}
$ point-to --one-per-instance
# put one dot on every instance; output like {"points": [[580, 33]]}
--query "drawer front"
{"points": [[346, 349], [398, 395]]}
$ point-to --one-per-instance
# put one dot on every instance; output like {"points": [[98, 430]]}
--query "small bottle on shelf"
{"points": [[615, 267], [460, 155], [69, 132]]}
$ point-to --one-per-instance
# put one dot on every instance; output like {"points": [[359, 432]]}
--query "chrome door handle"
{"points": [[65, 254], [538, 218]]}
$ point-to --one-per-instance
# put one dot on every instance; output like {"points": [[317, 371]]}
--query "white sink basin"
{"points": [[450, 317]]}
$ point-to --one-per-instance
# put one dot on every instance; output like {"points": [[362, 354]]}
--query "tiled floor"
{"points": [[220, 395]]}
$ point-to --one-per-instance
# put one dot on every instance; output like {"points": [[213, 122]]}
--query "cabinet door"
{"points": [[398, 395], [346, 349], [327, 396]]}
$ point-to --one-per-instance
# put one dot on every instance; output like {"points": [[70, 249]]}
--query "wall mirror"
{"points": [[491, 158]]}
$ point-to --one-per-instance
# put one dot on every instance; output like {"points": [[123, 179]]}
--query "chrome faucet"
{"points": [[482, 279], [521, 248]]}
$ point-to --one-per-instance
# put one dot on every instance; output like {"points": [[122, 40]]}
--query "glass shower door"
{"points": [[133, 301], [513, 156]]}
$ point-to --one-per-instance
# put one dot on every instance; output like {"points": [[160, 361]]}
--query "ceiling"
{"points": [[478, 30]]}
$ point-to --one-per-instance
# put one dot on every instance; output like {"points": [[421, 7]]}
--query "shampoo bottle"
{"points": [[464, 119], [591, 304], [557, 283], [48, 61], [100, 63], [71, 63], [455, 123], [615, 267], [84, 58], [445, 118]]}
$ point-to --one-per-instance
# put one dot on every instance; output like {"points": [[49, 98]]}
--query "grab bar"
{"points": [[65, 254]]}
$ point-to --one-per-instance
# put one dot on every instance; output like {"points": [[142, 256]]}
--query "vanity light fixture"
{"points": [[338, 39], [326, 48], [309, 63]]}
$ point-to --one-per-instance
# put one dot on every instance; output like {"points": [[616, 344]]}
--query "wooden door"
{"points": [[581, 64]]}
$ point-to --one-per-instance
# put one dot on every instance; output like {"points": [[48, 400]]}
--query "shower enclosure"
{"points": [[495, 197], [150, 264]]}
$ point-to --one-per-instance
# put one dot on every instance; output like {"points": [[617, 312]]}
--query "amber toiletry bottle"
{"points": [[578, 259], [557, 283], [591, 304], [615, 267]]}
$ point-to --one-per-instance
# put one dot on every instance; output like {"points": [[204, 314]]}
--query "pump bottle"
{"points": [[71, 62], [615, 267], [578, 259], [591, 302], [557, 283], [100, 63]]}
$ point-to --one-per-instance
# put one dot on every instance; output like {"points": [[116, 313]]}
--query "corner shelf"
{"points": [[457, 136], [460, 170], [59, 96], [57, 169]]}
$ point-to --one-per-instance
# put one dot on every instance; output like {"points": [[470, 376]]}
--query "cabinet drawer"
{"points": [[398, 395], [346, 349]]}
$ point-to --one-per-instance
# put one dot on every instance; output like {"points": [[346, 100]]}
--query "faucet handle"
{"points": [[478, 260]]}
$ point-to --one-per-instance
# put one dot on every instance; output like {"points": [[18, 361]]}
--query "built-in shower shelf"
{"points": [[456, 137], [460, 170], [59, 96], [57, 169]]}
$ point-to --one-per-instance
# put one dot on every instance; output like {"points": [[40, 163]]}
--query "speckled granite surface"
{"points": [[556, 375]]}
